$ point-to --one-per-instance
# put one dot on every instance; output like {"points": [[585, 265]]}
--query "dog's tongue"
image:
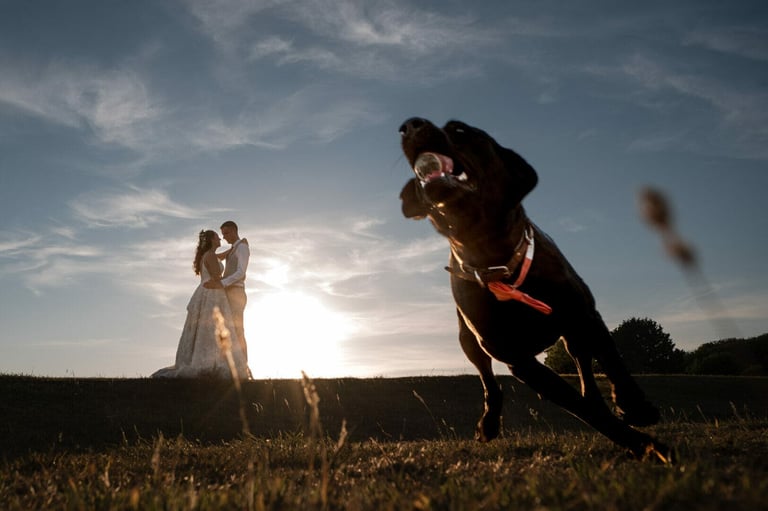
{"points": [[429, 166]]}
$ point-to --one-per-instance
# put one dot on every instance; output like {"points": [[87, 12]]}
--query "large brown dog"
{"points": [[515, 293]]}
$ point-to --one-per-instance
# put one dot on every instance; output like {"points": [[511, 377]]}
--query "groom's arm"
{"points": [[243, 253]]}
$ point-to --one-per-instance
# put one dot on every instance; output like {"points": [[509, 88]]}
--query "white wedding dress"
{"points": [[198, 354]]}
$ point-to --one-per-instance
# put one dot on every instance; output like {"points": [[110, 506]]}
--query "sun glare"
{"points": [[289, 332]]}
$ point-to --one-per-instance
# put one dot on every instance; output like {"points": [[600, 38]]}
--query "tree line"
{"points": [[646, 348]]}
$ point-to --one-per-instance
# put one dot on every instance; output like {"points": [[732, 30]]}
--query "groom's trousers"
{"points": [[237, 301]]}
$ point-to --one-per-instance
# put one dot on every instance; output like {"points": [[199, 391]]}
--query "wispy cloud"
{"points": [[741, 41], [390, 287], [348, 250], [345, 264], [382, 24], [360, 63], [312, 114], [39, 260], [48, 261], [160, 269], [659, 142], [743, 110], [130, 208], [220, 19], [390, 24], [378, 40], [114, 104], [581, 220], [571, 224], [734, 305], [116, 107], [12, 243]]}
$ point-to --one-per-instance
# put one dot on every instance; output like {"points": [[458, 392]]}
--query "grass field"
{"points": [[368, 444]]}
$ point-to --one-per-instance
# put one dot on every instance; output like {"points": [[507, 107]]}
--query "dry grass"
{"points": [[543, 461], [722, 468]]}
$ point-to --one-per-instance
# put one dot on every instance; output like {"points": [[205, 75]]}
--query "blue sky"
{"points": [[126, 127]]}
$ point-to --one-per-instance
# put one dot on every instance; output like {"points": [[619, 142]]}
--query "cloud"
{"points": [[743, 111], [382, 24], [364, 64], [132, 208], [220, 19], [343, 262], [659, 142], [736, 305], [313, 114], [328, 254], [13, 245], [159, 269], [364, 40], [570, 224], [114, 104], [740, 41], [45, 260], [116, 107], [49, 262], [581, 220], [390, 24]]}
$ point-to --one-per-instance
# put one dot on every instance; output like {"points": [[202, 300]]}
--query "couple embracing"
{"points": [[222, 286]]}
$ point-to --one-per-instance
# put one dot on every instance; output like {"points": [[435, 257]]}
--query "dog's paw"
{"points": [[655, 451], [487, 429]]}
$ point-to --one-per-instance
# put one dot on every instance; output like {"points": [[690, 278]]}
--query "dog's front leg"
{"points": [[490, 422]]}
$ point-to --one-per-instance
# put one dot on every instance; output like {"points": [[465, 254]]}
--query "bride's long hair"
{"points": [[204, 244]]}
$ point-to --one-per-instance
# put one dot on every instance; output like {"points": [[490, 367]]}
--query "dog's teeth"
{"points": [[462, 176]]}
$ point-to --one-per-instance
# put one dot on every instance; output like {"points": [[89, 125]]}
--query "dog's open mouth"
{"points": [[431, 166]]}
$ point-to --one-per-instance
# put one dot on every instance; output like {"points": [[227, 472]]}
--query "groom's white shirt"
{"points": [[237, 265]]}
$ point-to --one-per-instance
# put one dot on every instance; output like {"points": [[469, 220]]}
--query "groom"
{"points": [[233, 280]]}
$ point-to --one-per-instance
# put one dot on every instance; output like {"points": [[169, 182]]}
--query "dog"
{"points": [[515, 292]]}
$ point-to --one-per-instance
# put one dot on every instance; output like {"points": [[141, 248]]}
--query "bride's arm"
{"points": [[214, 270]]}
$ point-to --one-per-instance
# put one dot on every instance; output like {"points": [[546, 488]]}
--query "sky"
{"points": [[127, 127]]}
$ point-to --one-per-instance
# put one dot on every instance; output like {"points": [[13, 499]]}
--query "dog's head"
{"points": [[462, 175]]}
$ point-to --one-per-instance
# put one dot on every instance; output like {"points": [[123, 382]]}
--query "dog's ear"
{"points": [[524, 176], [413, 205]]}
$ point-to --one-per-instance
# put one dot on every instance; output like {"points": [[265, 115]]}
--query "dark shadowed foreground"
{"points": [[376, 444]]}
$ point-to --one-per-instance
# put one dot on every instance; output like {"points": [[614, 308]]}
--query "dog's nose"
{"points": [[411, 125]]}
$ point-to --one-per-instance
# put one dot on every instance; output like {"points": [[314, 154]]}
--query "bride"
{"points": [[198, 353]]}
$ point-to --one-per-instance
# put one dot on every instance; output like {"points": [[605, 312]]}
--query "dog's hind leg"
{"points": [[490, 422], [555, 389], [583, 360], [631, 404]]}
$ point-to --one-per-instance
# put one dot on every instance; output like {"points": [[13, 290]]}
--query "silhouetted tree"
{"points": [[647, 348], [730, 356], [559, 360]]}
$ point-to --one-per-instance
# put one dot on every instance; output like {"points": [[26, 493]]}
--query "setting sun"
{"points": [[289, 332]]}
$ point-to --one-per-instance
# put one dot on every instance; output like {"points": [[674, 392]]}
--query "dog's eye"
{"points": [[459, 132]]}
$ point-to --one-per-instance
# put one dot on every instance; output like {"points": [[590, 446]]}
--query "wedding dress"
{"points": [[198, 353]]}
